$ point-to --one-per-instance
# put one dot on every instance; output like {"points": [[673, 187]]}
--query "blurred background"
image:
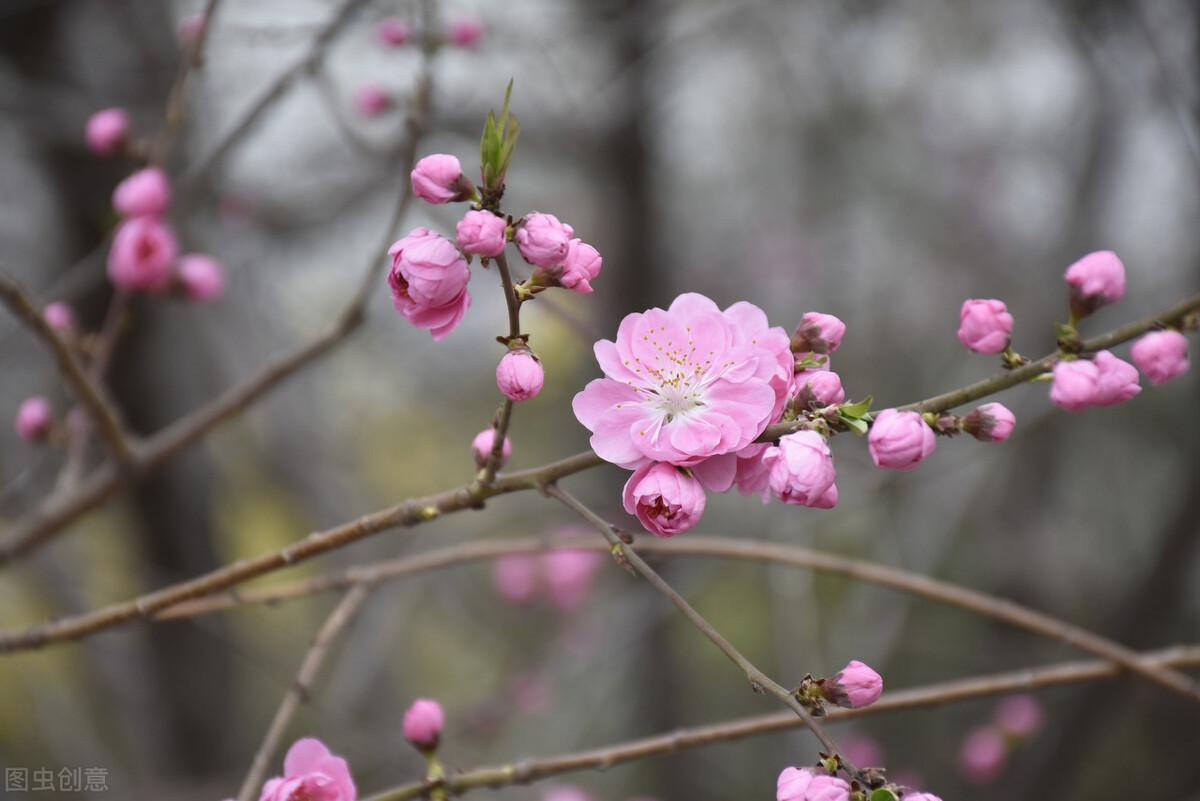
{"points": [[880, 161]]}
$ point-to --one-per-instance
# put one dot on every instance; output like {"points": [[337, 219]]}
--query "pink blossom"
{"points": [[372, 99], [1161, 355], [311, 773], [35, 419], [481, 233], [686, 384], [143, 250], [801, 468], [61, 318], [1096, 279], [393, 32], [855, 686], [991, 422], [1019, 715], [515, 577], [828, 499], [439, 179], [818, 333], [190, 29], [983, 755], [579, 268], [816, 388], [147, 191], [201, 277], [1075, 383], [805, 784], [519, 375], [666, 500], [984, 325], [1116, 381], [423, 723], [465, 32], [429, 281], [900, 440], [481, 446], [863, 750], [107, 131], [543, 240], [752, 473], [569, 575]]}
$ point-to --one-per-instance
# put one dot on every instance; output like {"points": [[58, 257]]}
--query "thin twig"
{"points": [[192, 56], [514, 330]]}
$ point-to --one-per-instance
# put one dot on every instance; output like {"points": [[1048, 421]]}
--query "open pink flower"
{"points": [[900, 440], [147, 191], [801, 468], [984, 325], [1161, 355], [311, 773], [686, 384], [143, 251], [107, 131], [429, 281], [666, 500], [1116, 380], [423, 722], [1096, 279]]}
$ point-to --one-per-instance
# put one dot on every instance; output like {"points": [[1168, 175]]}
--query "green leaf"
{"points": [[856, 424], [856, 410], [883, 794]]}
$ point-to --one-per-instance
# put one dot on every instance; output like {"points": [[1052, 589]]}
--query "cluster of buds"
{"points": [[821, 783]]}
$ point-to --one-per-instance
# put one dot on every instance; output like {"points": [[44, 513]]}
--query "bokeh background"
{"points": [[880, 161]]}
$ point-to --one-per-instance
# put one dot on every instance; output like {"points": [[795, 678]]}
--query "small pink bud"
{"points": [[439, 179], [983, 755], [1116, 381], [666, 500], [1074, 386], [580, 267], [519, 375], [423, 724], [816, 388], [1095, 280], [900, 440], [107, 131], [991, 422], [984, 325], [371, 100], [143, 250], [515, 577], [1019, 715], [310, 771], [61, 318], [855, 686], [428, 280], [35, 419], [801, 468], [147, 191], [482, 447], [481, 233], [543, 240], [818, 333], [190, 30], [569, 576], [1161, 355], [201, 277], [393, 32], [465, 32]]}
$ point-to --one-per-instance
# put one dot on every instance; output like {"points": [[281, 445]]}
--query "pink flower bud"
{"points": [[145, 192], [311, 771], [666, 500], [580, 267], [201, 277], [569, 576], [393, 32], [816, 388], [190, 30], [61, 318], [806, 784], [991, 422], [1095, 280], [1161, 355], [984, 325], [855, 686], [482, 447], [1117, 380], [515, 577], [801, 468], [107, 131], [35, 419], [465, 32], [429, 279], [519, 375], [1074, 386], [543, 240], [371, 100], [1019, 715], [818, 333], [828, 499], [481, 233], [439, 179], [423, 724], [143, 250], [900, 440], [983, 755]]}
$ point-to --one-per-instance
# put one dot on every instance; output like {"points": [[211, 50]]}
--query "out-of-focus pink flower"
{"points": [[429, 281], [921, 797], [666, 500], [1161, 355], [481, 233], [805, 784], [423, 723], [311, 772], [543, 239], [816, 388], [685, 384], [439, 179], [107, 131], [1019, 715], [983, 755], [991, 422], [801, 468], [1074, 386], [519, 375], [372, 99], [465, 32], [201, 277], [142, 253], [984, 325], [1095, 280], [190, 29], [61, 318], [580, 266], [569, 576], [515, 577], [900, 440], [854, 686], [818, 333], [1116, 381], [393, 32], [147, 191], [35, 419], [531, 693], [863, 750], [481, 446]]}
